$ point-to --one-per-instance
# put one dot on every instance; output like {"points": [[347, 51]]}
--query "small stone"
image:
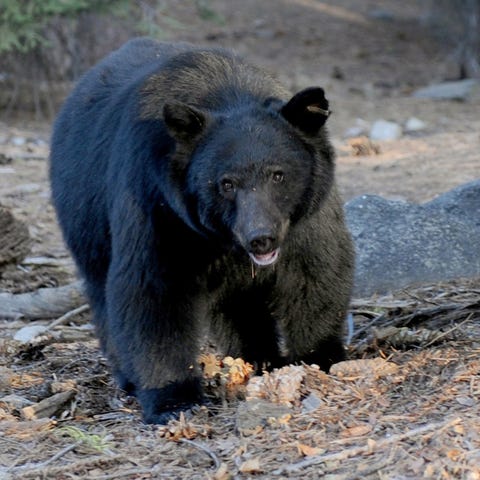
{"points": [[28, 334], [466, 401], [414, 124], [15, 402], [18, 141], [310, 403], [360, 129], [384, 130]]}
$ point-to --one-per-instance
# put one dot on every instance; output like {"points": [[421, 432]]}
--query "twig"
{"points": [[443, 334], [212, 455], [378, 445], [44, 464], [40, 468], [126, 473], [370, 324], [65, 318], [155, 469], [450, 311]]}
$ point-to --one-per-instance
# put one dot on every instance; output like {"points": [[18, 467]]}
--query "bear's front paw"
{"points": [[160, 405]]}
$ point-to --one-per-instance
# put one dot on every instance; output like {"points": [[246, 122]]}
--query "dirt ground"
{"points": [[408, 407]]}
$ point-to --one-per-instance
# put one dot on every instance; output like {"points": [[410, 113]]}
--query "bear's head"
{"points": [[253, 172]]}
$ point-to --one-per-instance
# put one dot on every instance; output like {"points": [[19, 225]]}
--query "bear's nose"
{"points": [[262, 242]]}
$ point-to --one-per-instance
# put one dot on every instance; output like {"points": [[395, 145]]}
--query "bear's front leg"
{"points": [[312, 323], [156, 343], [152, 327]]}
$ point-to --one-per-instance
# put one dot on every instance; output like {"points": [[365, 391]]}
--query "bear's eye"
{"points": [[277, 177], [227, 185]]}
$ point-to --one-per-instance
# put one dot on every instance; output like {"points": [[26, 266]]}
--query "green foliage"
{"points": [[206, 12], [22, 22], [92, 441]]}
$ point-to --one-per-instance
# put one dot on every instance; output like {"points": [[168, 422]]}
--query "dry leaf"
{"points": [[239, 371], [181, 428], [222, 473], [6, 416], [251, 466], [211, 365], [371, 444], [429, 471], [26, 380], [67, 385], [454, 454], [363, 146], [308, 451], [356, 431], [459, 429], [283, 420]]}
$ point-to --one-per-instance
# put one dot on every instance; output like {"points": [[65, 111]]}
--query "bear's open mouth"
{"points": [[264, 259]]}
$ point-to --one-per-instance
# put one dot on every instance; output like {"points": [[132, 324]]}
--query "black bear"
{"points": [[194, 191]]}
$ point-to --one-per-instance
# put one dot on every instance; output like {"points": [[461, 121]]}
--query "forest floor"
{"points": [[408, 406]]}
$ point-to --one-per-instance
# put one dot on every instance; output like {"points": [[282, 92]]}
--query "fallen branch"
{"points": [[48, 406], [42, 303]]}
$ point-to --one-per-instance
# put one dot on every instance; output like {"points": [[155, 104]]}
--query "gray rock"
{"points": [[15, 401], [29, 333], [414, 124], [400, 243], [459, 90], [385, 130], [462, 202], [360, 128], [18, 141], [311, 403]]}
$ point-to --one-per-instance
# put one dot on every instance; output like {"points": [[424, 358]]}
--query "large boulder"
{"points": [[400, 243]]}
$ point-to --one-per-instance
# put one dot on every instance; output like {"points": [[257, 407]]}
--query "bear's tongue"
{"points": [[265, 259]]}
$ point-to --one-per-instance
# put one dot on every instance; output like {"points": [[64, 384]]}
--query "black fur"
{"points": [[177, 172]]}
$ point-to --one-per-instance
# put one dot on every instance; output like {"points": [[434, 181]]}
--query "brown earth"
{"points": [[416, 417]]}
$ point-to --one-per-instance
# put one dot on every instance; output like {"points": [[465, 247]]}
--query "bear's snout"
{"points": [[258, 227], [263, 247], [261, 241]]}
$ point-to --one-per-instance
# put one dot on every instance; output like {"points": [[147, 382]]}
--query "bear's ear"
{"points": [[307, 110], [183, 122]]}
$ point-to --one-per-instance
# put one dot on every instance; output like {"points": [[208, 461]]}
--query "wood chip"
{"points": [[47, 407]]}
